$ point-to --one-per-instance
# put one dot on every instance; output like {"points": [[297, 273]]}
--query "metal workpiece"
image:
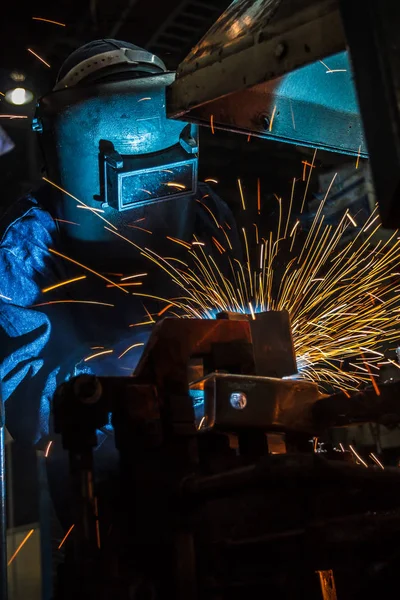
{"points": [[238, 402], [258, 71], [366, 406], [372, 35]]}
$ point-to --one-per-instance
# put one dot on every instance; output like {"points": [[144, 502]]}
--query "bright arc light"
{"points": [[19, 96]]}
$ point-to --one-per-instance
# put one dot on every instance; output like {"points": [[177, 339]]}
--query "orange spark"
{"points": [[181, 242], [143, 323], [272, 118], [48, 21], [180, 186], [26, 538], [97, 354], [39, 57], [65, 536], [358, 157], [134, 276], [241, 194], [57, 285], [218, 245], [163, 310], [212, 124], [69, 222], [130, 348], [358, 456], [210, 180], [86, 268], [140, 228], [73, 301], [374, 384], [48, 449], [258, 195]]}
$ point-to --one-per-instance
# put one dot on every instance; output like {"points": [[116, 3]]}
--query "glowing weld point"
{"points": [[39, 57]]}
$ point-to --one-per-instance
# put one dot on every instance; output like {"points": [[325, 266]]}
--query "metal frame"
{"points": [[301, 36]]}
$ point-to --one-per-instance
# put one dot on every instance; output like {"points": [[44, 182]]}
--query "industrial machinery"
{"points": [[221, 491]]}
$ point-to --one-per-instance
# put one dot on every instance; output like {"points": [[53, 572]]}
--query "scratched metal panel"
{"points": [[258, 71]]}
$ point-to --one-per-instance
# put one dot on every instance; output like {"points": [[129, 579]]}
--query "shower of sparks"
{"points": [[57, 285], [97, 354], [39, 58], [130, 348], [22, 544], [339, 292], [48, 21]]}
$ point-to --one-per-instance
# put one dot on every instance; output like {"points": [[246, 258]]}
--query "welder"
{"points": [[75, 296]]}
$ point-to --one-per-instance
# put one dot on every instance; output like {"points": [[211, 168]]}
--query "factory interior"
{"points": [[199, 313]]}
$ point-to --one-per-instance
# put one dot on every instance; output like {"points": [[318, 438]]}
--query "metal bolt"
{"points": [[88, 389], [238, 400]]}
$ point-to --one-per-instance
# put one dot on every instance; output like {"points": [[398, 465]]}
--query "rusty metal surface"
{"points": [[312, 106], [267, 41], [243, 18]]}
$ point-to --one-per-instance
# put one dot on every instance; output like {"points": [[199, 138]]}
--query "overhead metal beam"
{"points": [[252, 42]]}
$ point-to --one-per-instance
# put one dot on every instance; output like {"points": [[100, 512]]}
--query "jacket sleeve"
{"points": [[30, 355]]}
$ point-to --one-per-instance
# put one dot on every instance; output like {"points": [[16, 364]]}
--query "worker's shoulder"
{"points": [[26, 221]]}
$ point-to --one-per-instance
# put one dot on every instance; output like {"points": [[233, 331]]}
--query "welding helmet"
{"points": [[106, 138]]}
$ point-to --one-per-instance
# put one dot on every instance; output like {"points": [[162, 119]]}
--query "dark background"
{"points": [[169, 28]]}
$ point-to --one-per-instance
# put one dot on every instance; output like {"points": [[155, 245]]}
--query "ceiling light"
{"points": [[19, 96]]}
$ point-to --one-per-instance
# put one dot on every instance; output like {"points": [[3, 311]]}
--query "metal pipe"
{"points": [[3, 521]]}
